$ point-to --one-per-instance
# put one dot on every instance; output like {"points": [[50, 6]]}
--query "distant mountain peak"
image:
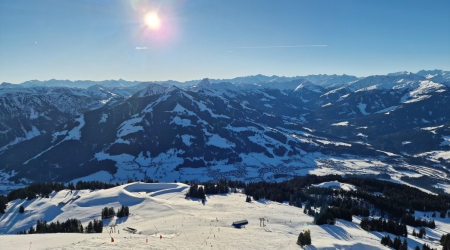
{"points": [[152, 89], [204, 83], [400, 73]]}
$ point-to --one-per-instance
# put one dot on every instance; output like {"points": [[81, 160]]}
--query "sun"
{"points": [[153, 21]]}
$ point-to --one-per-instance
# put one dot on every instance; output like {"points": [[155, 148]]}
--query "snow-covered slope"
{"points": [[164, 219], [30, 112]]}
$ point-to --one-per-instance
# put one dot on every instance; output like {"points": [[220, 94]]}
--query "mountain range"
{"points": [[394, 126]]}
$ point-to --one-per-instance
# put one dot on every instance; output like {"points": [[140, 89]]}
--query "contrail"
{"points": [[284, 46]]}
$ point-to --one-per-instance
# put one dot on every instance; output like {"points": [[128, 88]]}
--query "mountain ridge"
{"points": [[266, 131]]}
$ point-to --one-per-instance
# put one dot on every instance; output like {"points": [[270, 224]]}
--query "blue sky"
{"points": [[107, 39]]}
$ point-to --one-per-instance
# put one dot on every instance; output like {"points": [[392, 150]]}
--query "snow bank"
{"points": [[340, 124], [336, 185]]}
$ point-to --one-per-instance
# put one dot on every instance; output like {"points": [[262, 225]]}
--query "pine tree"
{"points": [[98, 226], [111, 212], [307, 237], [304, 238], [307, 209], [300, 239], [422, 233], [397, 243], [90, 227], [386, 240], [120, 212], [201, 193], [445, 241], [21, 209], [3, 202], [298, 203], [404, 245]]}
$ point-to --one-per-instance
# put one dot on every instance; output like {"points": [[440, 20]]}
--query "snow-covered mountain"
{"points": [[321, 80], [79, 84], [211, 130], [30, 111]]}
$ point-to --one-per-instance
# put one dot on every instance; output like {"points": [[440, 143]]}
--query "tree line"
{"points": [[396, 244], [45, 189], [109, 212], [382, 225], [209, 188], [411, 220], [69, 226]]}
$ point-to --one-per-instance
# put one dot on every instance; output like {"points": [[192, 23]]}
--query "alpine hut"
{"points": [[239, 223]]}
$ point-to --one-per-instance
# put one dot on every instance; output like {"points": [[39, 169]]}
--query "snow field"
{"points": [[161, 209]]}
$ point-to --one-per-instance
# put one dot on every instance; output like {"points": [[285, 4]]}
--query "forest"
{"points": [[382, 198]]}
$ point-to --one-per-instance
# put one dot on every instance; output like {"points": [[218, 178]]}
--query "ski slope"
{"points": [[162, 210]]}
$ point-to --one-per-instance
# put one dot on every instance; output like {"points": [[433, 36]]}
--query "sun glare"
{"points": [[153, 21]]}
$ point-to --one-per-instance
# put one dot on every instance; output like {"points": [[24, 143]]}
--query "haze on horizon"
{"points": [[184, 39]]}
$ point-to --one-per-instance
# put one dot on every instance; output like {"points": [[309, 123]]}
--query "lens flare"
{"points": [[153, 21]]}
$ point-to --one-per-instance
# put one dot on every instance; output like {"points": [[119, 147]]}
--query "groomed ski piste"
{"points": [[164, 219]]}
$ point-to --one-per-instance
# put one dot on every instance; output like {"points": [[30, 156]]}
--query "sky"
{"points": [[192, 39]]}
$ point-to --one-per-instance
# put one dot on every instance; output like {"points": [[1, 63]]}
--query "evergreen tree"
{"points": [[304, 238], [97, 226], [307, 209], [201, 193], [397, 243], [298, 203], [307, 237], [3, 202], [421, 233], [426, 247], [111, 212], [300, 239], [404, 245], [108, 213], [21, 209], [445, 242], [123, 211], [31, 195], [386, 240], [90, 227]]}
